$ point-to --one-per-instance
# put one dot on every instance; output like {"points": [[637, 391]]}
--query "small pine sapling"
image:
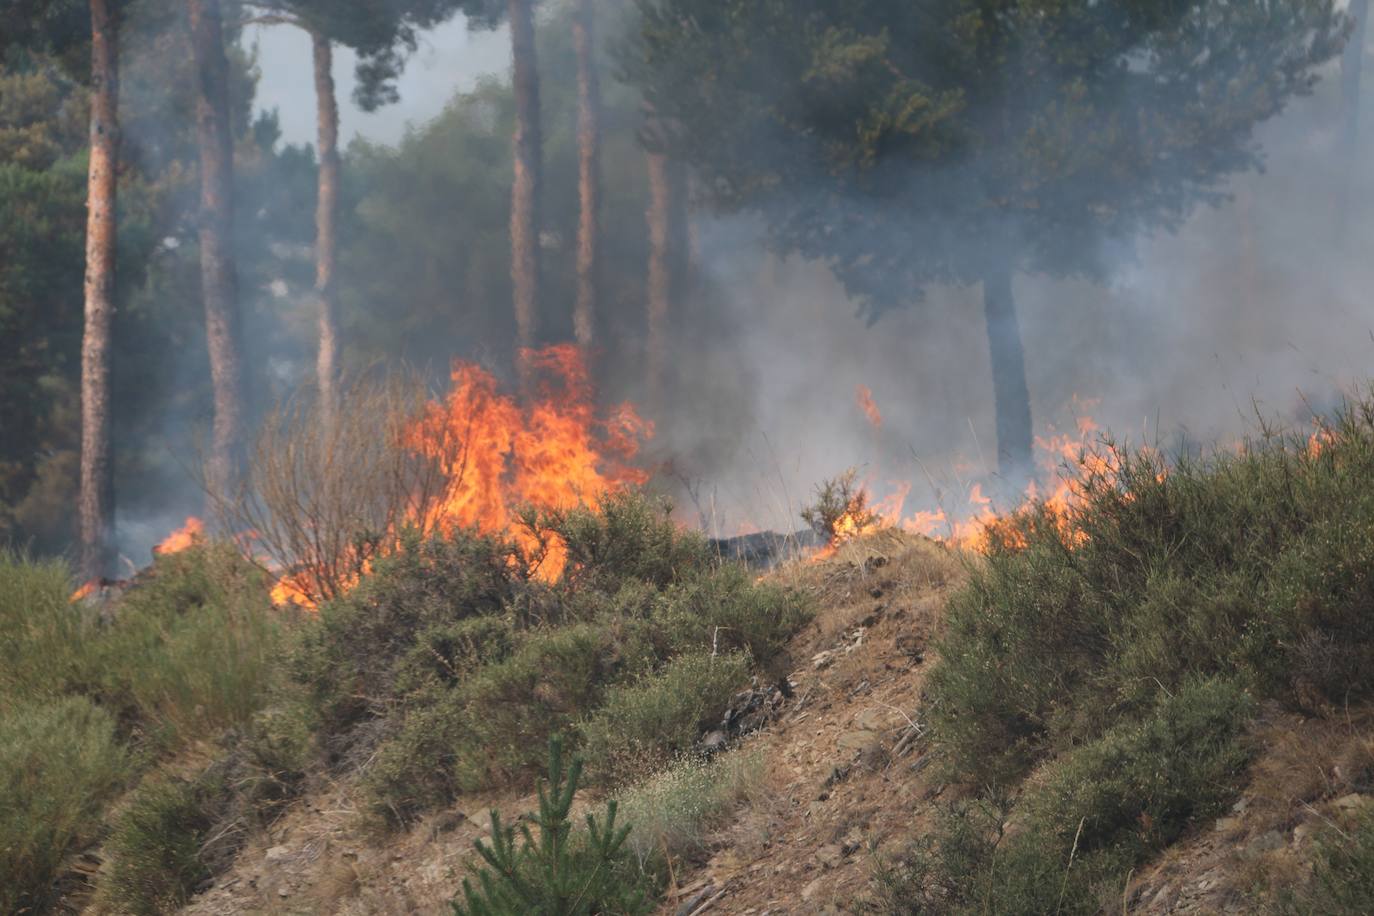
{"points": [[557, 874]]}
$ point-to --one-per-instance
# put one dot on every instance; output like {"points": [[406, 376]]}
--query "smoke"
{"points": [[1257, 305]]}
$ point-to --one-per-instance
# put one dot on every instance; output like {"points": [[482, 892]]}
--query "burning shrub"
{"points": [[327, 493], [644, 725], [1252, 565], [841, 509]]}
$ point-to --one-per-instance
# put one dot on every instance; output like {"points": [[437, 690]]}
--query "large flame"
{"points": [[191, 532], [553, 452]]}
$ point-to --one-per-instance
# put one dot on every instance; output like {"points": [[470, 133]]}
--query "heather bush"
{"points": [[60, 763], [643, 725]]}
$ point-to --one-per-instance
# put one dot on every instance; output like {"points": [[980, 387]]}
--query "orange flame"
{"points": [[550, 454], [85, 591], [870, 409], [191, 533]]}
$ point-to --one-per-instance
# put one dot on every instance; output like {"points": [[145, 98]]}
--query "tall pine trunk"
{"points": [[326, 219], [218, 273], [97, 471], [1352, 65], [525, 189], [660, 291], [588, 172], [1011, 395]]}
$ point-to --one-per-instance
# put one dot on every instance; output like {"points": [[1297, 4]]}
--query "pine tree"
{"points": [[557, 873]]}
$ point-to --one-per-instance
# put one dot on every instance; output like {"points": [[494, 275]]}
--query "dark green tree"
{"points": [[908, 144]]}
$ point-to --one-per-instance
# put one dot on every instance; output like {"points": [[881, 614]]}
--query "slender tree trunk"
{"points": [[1352, 64], [525, 189], [661, 284], [97, 469], [326, 218], [1011, 396], [218, 273], [589, 171]]}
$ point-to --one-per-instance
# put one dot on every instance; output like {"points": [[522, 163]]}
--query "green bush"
{"points": [[559, 874], [1253, 566], [726, 610], [44, 650], [629, 538], [643, 725], [155, 847], [1086, 818], [59, 765], [353, 659]]}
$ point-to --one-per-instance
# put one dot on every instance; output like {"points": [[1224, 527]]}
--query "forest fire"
{"points": [[502, 456], [552, 453], [188, 535]]}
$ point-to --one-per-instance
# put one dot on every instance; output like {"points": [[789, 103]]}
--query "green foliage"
{"points": [[155, 860], [367, 639], [87, 701], [1060, 633], [59, 765], [948, 137], [557, 874], [448, 667], [1086, 818], [643, 725], [629, 537]]}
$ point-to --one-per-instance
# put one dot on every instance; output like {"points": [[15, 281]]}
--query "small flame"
{"points": [[191, 533], [85, 591], [870, 409]]}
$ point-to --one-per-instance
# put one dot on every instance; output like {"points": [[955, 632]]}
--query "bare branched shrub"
{"points": [[324, 496]]}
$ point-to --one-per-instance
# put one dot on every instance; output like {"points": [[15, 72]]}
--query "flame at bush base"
{"points": [[502, 455]]}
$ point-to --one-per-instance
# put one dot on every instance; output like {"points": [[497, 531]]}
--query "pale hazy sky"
{"points": [[449, 59]]}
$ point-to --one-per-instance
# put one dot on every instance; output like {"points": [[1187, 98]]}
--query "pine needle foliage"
{"points": [[559, 873]]}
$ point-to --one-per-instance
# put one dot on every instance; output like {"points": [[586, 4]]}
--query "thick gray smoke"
{"points": [[1259, 305]]}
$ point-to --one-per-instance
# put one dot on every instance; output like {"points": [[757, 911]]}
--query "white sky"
{"points": [[450, 58]]}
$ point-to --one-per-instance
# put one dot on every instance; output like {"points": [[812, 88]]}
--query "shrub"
{"points": [[1251, 566], [1088, 816], [641, 726], [59, 765], [193, 648], [630, 537], [559, 874], [673, 811], [155, 847], [350, 662], [841, 508], [46, 636], [727, 610]]}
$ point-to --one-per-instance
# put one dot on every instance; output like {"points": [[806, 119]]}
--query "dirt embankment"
{"points": [[848, 778]]}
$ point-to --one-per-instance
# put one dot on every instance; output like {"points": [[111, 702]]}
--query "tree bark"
{"points": [[525, 189], [1352, 65], [326, 219], [1011, 395], [660, 291], [589, 171], [97, 468], [218, 272]]}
